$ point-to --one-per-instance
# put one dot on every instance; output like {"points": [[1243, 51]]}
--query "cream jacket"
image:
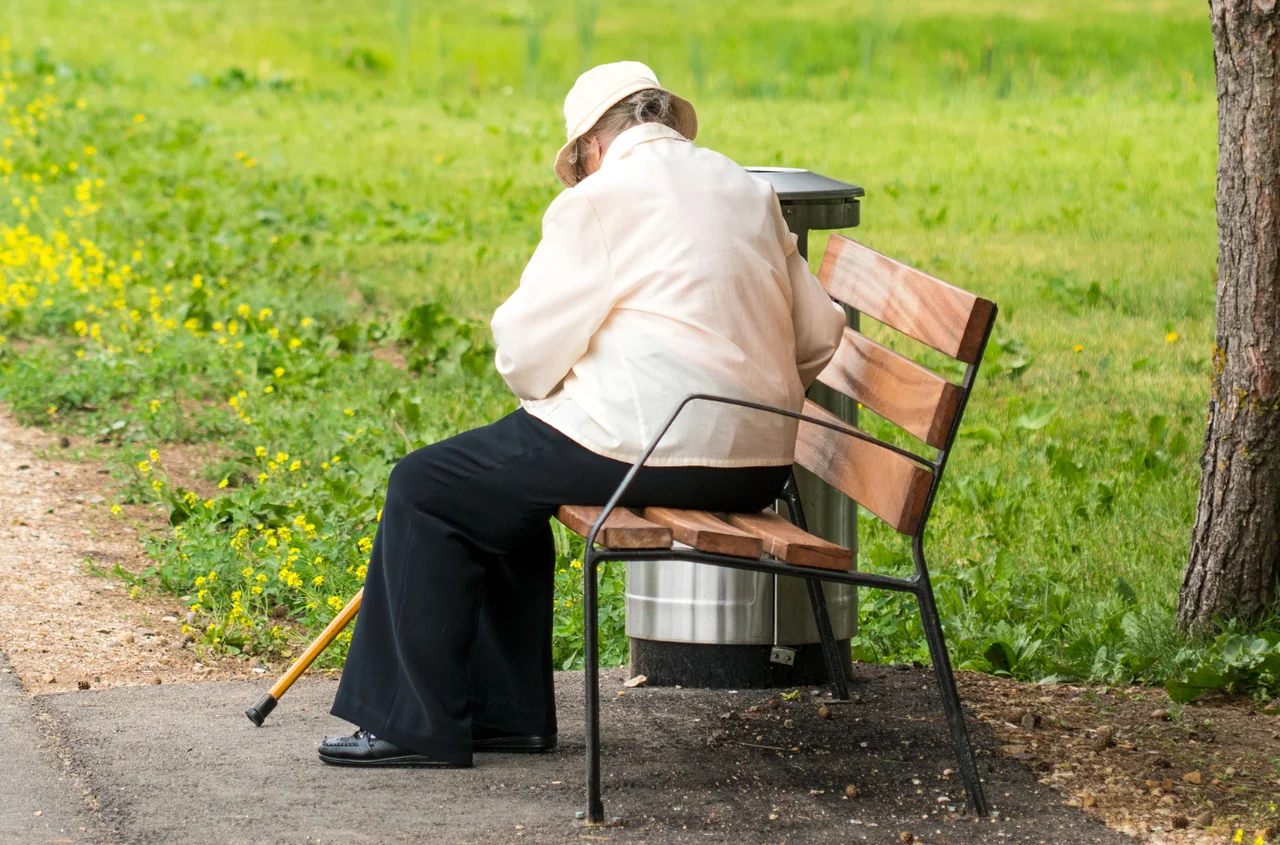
{"points": [[667, 272]]}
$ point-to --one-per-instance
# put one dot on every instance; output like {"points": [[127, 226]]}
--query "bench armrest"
{"points": [[724, 400]]}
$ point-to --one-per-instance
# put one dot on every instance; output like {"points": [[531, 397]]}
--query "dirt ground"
{"points": [[1126, 756], [61, 626], [1198, 773]]}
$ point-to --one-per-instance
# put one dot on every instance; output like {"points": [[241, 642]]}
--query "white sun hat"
{"points": [[598, 89]]}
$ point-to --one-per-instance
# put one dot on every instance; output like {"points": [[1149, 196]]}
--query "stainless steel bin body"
{"points": [[698, 625]]}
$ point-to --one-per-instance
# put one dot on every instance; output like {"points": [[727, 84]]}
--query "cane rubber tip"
{"points": [[261, 709]]}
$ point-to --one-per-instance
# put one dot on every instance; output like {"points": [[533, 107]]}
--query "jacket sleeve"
{"points": [[818, 321], [565, 294]]}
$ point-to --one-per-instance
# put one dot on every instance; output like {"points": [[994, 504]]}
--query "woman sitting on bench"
{"points": [[665, 269]]}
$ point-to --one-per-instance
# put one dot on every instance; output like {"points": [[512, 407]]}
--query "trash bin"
{"points": [[697, 625]]}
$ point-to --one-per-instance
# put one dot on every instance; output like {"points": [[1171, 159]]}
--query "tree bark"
{"points": [[1235, 551]]}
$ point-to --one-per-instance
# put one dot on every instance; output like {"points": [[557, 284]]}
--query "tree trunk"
{"points": [[1235, 552]]}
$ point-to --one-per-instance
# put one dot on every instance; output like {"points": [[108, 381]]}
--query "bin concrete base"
{"points": [[708, 666]]}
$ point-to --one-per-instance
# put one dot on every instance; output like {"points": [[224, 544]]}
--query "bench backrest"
{"points": [[916, 399]]}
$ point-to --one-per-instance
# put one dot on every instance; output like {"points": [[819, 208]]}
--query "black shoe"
{"points": [[364, 749], [488, 739]]}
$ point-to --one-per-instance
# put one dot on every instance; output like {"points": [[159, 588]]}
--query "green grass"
{"points": [[1055, 157]]}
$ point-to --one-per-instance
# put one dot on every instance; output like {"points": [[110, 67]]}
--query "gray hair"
{"points": [[650, 105]]}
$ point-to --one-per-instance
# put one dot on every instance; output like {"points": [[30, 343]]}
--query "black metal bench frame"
{"points": [[917, 584]]}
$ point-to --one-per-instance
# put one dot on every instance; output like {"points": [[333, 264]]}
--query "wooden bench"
{"points": [[893, 483]]}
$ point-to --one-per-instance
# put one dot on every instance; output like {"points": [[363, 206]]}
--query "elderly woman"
{"points": [[664, 269]]}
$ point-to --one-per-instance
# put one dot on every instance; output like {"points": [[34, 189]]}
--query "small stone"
{"points": [[190, 618], [816, 792], [38, 813], [82, 684], [519, 827], [49, 679], [1153, 784], [635, 681], [851, 791], [169, 619], [824, 712], [124, 637], [1028, 721], [1103, 739], [773, 817], [1089, 801], [1192, 777], [155, 680], [1205, 819]]}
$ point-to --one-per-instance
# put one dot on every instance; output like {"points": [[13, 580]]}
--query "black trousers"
{"points": [[455, 627]]}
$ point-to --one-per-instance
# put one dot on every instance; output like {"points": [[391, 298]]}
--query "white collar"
{"points": [[631, 138]]}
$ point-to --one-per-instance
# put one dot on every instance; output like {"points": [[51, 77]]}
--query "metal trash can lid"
{"points": [[812, 201], [795, 184]]}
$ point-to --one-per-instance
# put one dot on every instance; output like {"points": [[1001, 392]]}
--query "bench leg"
{"points": [[950, 695], [835, 665], [591, 668]]}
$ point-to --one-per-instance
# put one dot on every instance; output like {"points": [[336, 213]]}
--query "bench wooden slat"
{"points": [[791, 544], [706, 533], [919, 400], [951, 320], [884, 482], [623, 529]]}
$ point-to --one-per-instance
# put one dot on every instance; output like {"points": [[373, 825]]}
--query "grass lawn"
{"points": [[342, 165]]}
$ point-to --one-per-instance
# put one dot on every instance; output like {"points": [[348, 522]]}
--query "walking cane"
{"points": [[263, 706]]}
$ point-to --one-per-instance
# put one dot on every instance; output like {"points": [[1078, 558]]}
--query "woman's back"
{"points": [[670, 271]]}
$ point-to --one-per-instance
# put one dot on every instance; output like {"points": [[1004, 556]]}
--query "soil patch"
{"points": [[61, 626], [1129, 755]]}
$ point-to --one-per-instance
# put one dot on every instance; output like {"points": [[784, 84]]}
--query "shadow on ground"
{"points": [[181, 764]]}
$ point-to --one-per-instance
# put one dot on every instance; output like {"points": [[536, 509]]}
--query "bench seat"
{"points": [[737, 534]]}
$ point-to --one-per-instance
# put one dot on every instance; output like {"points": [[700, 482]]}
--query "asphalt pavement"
{"points": [[178, 764]]}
